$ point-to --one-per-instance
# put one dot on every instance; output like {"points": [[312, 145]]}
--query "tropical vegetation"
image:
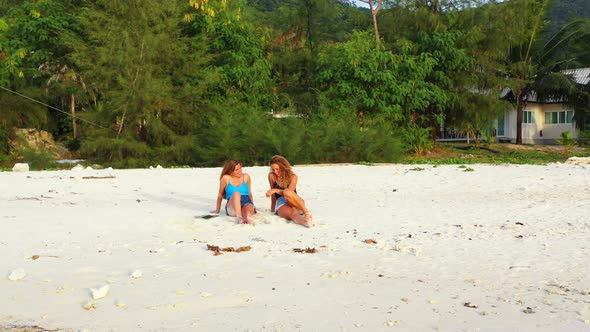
{"points": [[194, 82]]}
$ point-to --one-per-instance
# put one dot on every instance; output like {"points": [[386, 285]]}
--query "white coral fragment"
{"points": [[100, 292]]}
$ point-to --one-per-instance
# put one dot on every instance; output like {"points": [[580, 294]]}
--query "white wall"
{"points": [[555, 130], [531, 132]]}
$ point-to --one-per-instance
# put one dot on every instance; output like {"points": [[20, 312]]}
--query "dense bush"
{"points": [[120, 152], [4, 148], [333, 137], [416, 138], [38, 159], [254, 137]]}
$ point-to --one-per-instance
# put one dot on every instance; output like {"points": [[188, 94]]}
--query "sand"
{"points": [[482, 248]]}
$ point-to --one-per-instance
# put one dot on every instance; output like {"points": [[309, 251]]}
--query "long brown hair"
{"points": [[286, 172], [229, 167]]}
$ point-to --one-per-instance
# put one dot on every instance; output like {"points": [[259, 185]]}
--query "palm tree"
{"points": [[534, 66]]}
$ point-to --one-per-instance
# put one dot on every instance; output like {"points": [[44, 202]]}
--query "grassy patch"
{"points": [[463, 154]]}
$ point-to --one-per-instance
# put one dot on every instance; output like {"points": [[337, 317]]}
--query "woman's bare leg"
{"points": [[234, 202], [248, 212], [297, 202], [292, 214]]}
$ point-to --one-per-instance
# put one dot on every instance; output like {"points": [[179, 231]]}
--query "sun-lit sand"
{"points": [[482, 248]]}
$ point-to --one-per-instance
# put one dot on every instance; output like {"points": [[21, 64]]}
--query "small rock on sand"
{"points": [[17, 274], [20, 167]]}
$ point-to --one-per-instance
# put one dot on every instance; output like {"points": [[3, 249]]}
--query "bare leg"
{"points": [[248, 212], [297, 202], [292, 214], [234, 202]]}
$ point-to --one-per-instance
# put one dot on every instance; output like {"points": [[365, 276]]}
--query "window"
{"points": [[500, 131], [559, 117], [529, 117]]}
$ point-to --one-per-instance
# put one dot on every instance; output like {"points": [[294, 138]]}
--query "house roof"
{"points": [[580, 75]]}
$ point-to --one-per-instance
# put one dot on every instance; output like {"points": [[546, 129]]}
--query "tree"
{"points": [[433, 28], [301, 29], [377, 85], [374, 7], [532, 66], [31, 33], [141, 65], [239, 51], [72, 82]]}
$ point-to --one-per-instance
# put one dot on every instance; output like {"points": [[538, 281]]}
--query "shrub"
{"points": [[38, 160], [417, 139], [567, 141], [4, 147], [120, 152], [333, 137]]}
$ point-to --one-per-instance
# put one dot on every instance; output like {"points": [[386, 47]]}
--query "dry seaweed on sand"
{"points": [[305, 251], [218, 251]]}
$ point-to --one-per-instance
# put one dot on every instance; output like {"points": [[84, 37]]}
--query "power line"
{"points": [[54, 108]]}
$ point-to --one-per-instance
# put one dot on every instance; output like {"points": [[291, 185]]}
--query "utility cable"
{"points": [[54, 108]]}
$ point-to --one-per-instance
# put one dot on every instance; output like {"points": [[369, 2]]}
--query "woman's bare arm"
{"points": [[269, 193], [222, 185]]}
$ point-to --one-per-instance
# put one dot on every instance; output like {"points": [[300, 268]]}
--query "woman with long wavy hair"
{"points": [[285, 201]]}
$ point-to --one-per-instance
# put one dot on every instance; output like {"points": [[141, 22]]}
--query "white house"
{"points": [[543, 123]]}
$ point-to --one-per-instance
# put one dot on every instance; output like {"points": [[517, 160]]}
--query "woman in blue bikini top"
{"points": [[236, 188], [284, 200]]}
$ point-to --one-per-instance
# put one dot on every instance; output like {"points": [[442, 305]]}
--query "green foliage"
{"points": [[38, 159], [487, 138], [240, 60], [360, 76], [235, 132], [333, 137], [584, 138], [567, 141], [16, 111], [32, 35], [4, 147], [191, 82], [535, 61], [119, 152], [416, 138], [324, 137], [140, 70], [504, 154]]}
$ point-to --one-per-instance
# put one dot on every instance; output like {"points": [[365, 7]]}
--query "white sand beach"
{"points": [[498, 248]]}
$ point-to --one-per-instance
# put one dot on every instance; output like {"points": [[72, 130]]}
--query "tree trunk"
{"points": [[73, 111], [122, 122], [519, 115], [374, 12]]}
